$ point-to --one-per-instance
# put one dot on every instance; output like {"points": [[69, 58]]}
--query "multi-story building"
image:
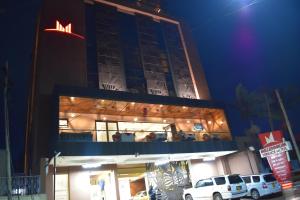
{"points": [[118, 90]]}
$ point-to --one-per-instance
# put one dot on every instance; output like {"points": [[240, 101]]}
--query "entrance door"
{"points": [[103, 186]]}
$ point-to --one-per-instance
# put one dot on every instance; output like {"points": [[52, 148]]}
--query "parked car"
{"points": [[141, 195], [261, 185], [217, 188]]}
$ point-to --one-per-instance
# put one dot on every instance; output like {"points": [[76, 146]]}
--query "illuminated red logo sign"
{"points": [[64, 29]]}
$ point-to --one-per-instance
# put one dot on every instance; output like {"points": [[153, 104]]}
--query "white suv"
{"points": [[217, 188], [261, 185]]}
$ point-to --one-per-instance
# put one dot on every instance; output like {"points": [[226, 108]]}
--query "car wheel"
{"points": [[188, 197], [218, 196], [255, 194]]}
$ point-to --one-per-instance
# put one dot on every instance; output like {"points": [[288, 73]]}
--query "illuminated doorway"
{"points": [[103, 186]]}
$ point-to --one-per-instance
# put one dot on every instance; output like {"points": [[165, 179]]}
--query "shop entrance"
{"points": [[103, 186], [133, 182]]}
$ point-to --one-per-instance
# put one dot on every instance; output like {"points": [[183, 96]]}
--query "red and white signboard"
{"points": [[274, 149]]}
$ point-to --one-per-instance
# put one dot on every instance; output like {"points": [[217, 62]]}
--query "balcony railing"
{"points": [[21, 185], [84, 135]]}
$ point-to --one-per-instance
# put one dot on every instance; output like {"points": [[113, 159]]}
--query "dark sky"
{"points": [[257, 45]]}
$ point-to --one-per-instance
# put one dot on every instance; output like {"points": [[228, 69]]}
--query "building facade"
{"points": [[118, 90]]}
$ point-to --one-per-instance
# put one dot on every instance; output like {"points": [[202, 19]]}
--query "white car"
{"points": [[261, 185], [217, 188]]}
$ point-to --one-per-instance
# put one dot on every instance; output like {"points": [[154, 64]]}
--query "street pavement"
{"points": [[291, 194]]}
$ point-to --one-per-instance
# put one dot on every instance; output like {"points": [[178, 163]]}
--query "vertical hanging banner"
{"points": [[274, 149]]}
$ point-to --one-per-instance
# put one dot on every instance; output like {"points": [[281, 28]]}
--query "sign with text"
{"points": [[274, 149]]}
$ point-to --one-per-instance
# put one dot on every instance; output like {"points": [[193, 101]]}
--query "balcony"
{"points": [[105, 120], [92, 123]]}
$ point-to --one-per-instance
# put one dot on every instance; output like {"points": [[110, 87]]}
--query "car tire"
{"points": [[218, 196], [255, 194], [188, 197]]}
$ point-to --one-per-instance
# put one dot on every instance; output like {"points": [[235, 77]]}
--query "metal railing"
{"points": [[21, 185], [92, 135]]}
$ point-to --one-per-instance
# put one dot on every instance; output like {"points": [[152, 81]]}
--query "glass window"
{"points": [[101, 131], [256, 179], [62, 186], [269, 178], [208, 182], [199, 184], [63, 123], [220, 180], [247, 179], [233, 179]]}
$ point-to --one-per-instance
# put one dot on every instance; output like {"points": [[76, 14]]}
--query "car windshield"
{"points": [[269, 178], [233, 179]]}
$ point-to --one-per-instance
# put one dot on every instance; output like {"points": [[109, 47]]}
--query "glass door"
{"points": [[101, 131], [105, 131], [112, 128]]}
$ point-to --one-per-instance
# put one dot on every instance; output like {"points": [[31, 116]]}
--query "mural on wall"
{"points": [[169, 179], [150, 46], [109, 57], [180, 70]]}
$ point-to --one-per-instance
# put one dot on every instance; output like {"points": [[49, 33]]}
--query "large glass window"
{"points": [[101, 131], [62, 187]]}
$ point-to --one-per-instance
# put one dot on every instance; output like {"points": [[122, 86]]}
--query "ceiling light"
{"points": [[221, 122], [164, 121], [72, 98], [188, 121], [102, 101], [132, 103], [160, 105], [183, 107], [209, 122], [72, 114], [135, 119], [104, 118], [91, 165]]}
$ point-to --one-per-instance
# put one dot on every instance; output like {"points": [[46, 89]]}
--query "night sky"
{"points": [[253, 42]]}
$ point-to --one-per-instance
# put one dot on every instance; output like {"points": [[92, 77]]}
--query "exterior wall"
{"points": [[59, 60], [201, 170], [197, 69], [79, 181], [79, 185], [242, 162]]}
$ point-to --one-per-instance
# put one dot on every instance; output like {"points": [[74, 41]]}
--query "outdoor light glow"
{"points": [[64, 29], [91, 165]]}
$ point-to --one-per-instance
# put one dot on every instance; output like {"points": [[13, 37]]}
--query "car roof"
{"points": [[262, 174]]}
